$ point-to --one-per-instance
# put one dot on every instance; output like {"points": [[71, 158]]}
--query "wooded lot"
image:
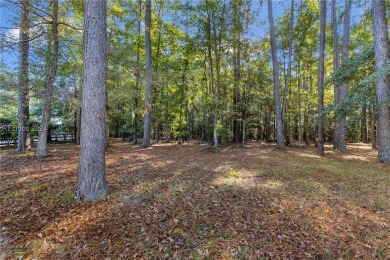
{"points": [[210, 129]]}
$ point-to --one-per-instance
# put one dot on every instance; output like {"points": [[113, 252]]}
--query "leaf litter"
{"points": [[182, 201]]}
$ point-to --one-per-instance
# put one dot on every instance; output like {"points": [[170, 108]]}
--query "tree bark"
{"points": [[137, 76], [381, 40], [46, 102], [78, 125], [216, 108], [236, 70], [372, 115], [363, 123], [91, 175], [287, 82], [217, 51], [275, 65], [23, 89], [336, 63], [211, 80], [149, 80], [299, 106], [321, 67], [343, 90]]}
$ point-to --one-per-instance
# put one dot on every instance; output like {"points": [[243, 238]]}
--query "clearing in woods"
{"points": [[176, 201]]}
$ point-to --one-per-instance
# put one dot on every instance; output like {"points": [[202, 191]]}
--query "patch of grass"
{"points": [[127, 180], [233, 173], [311, 186], [15, 193], [25, 154], [382, 204], [67, 196], [50, 199], [330, 167], [35, 188]]}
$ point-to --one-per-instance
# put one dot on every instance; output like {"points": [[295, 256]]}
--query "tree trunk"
{"points": [[75, 126], [78, 125], [107, 124], [149, 80], [217, 51], [23, 89], [299, 107], [275, 65], [137, 76], [363, 123], [336, 63], [287, 82], [372, 115], [343, 90], [246, 95], [51, 77], [321, 67], [236, 70], [91, 175], [306, 130], [381, 40], [243, 131]]}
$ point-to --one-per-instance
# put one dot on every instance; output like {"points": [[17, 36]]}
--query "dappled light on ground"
{"points": [[246, 179], [187, 201]]}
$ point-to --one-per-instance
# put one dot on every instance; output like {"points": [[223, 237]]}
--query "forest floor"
{"points": [[187, 201]]}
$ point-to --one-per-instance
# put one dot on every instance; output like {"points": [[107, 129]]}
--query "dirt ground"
{"points": [[185, 201]]}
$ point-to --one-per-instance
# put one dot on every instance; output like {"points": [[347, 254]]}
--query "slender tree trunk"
{"points": [[299, 107], [377, 137], [343, 90], [116, 129], [107, 143], [183, 104], [381, 40], [287, 82], [23, 89], [321, 67], [236, 92], [91, 175], [363, 122], [306, 115], [74, 126], [243, 131], [216, 110], [212, 45], [373, 126], [149, 75], [137, 76], [211, 82], [78, 125], [288, 79], [309, 109], [246, 94], [217, 51], [155, 95], [158, 51], [275, 64], [237, 70], [78, 96], [51, 77], [336, 63], [183, 91]]}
